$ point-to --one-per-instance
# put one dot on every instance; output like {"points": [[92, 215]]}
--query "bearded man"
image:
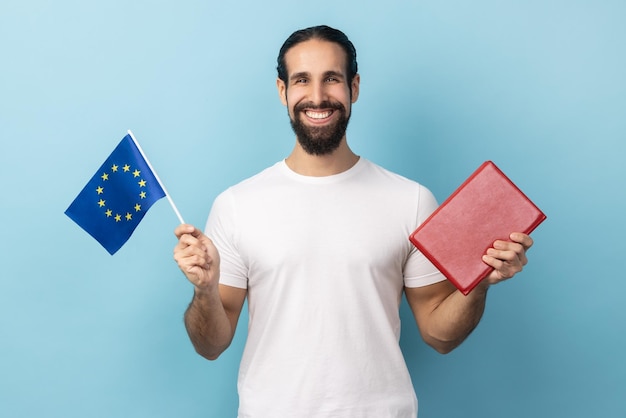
{"points": [[318, 244]]}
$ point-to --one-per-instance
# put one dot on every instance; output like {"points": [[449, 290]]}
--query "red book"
{"points": [[485, 208]]}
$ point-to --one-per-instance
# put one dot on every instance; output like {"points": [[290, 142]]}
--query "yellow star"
{"points": [[136, 173], [114, 168], [126, 168], [104, 176], [101, 203], [108, 213], [100, 190], [142, 195], [137, 207], [128, 216], [142, 183], [117, 217]]}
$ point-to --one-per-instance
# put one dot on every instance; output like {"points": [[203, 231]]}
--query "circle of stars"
{"points": [[111, 213]]}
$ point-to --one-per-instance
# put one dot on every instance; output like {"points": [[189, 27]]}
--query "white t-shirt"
{"points": [[325, 260]]}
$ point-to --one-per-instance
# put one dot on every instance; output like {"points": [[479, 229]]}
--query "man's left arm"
{"points": [[445, 316]]}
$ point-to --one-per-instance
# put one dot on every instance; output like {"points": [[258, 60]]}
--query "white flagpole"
{"points": [[180, 218]]}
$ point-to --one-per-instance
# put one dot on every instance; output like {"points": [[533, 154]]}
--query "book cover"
{"points": [[487, 207]]}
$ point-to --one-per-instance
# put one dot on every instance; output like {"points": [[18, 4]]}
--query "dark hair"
{"points": [[324, 33]]}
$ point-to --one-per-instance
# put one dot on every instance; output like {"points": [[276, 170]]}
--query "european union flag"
{"points": [[117, 197]]}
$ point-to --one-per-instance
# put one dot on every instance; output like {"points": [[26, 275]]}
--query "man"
{"points": [[318, 244]]}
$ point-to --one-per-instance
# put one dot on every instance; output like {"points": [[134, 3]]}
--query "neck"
{"points": [[342, 159]]}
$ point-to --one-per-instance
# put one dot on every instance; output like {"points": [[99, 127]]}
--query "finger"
{"points": [[502, 270], [507, 261], [505, 253], [522, 258], [183, 229], [188, 240], [183, 251], [191, 258], [189, 246], [202, 242], [524, 239], [507, 250], [498, 265]]}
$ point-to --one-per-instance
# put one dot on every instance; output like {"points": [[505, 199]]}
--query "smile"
{"points": [[318, 115]]}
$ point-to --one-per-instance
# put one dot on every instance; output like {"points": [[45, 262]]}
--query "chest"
{"points": [[324, 232]]}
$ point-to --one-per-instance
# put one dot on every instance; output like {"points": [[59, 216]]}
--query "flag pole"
{"points": [[180, 218]]}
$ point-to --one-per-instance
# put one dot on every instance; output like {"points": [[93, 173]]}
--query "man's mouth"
{"points": [[317, 114]]}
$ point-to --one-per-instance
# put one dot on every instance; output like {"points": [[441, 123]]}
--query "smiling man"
{"points": [[318, 244], [318, 93]]}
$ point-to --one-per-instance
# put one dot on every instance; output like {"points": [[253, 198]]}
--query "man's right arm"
{"points": [[212, 315], [211, 319]]}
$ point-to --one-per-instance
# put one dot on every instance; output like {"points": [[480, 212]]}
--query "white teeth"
{"points": [[318, 115]]}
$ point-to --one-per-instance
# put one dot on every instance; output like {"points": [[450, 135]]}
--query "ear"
{"points": [[356, 82], [282, 91]]}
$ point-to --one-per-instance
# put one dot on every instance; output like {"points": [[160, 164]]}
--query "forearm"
{"points": [[453, 320], [207, 323]]}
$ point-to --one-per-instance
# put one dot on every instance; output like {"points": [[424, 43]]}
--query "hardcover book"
{"points": [[487, 207]]}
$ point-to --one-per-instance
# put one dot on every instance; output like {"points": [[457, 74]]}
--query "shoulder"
{"points": [[248, 188], [388, 178], [383, 173], [269, 174], [252, 185], [398, 190]]}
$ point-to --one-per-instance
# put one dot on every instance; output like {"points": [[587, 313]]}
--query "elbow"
{"points": [[211, 356], [444, 348], [210, 353], [442, 345], [445, 341]]}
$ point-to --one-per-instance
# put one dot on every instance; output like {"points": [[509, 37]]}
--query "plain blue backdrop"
{"points": [[537, 86]]}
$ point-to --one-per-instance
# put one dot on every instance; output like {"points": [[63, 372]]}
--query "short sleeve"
{"points": [[221, 229], [418, 270]]}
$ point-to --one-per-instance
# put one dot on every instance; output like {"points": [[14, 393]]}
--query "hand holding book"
{"points": [[507, 257]]}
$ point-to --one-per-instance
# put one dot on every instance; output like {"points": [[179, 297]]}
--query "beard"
{"points": [[320, 140]]}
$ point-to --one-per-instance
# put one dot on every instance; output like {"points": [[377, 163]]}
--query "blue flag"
{"points": [[117, 197]]}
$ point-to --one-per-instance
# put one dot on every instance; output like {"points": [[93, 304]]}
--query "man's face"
{"points": [[317, 95]]}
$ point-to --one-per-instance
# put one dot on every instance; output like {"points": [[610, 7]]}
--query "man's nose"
{"points": [[318, 92]]}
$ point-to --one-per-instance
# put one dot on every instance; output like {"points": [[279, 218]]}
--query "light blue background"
{"points": [[537, 86]]}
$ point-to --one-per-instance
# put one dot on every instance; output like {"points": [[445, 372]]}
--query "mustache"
{"points": [[326, 104]]}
